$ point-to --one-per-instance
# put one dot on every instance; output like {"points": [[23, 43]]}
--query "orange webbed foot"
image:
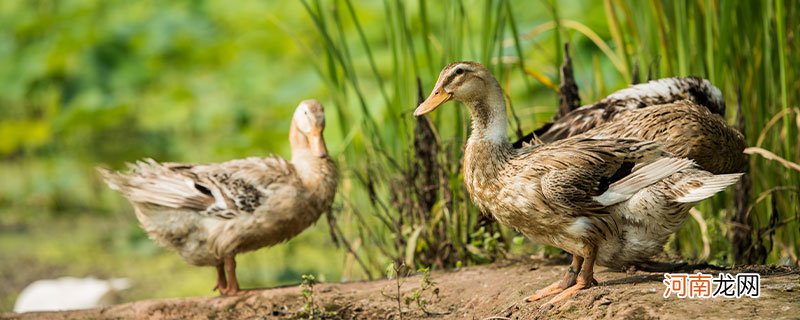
{"points": [[566, 281], [585, 279], [569, 292], [546, 291]]}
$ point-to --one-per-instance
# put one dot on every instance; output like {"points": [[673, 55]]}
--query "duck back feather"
{"points": [[655, 92]]}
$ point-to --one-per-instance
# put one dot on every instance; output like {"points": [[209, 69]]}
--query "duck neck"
{"points": [[488, 150], [318, 174], [489, 120]]}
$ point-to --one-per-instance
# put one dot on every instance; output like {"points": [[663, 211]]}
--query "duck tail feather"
{"points": [[711, 185], [641, 178]]}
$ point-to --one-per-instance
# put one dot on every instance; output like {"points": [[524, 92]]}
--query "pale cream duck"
{"points": [[609, 201], [209, 213]]}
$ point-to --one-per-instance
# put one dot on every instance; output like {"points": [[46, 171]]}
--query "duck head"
{"points": [[465, 81], [307, 126], [472, 84]]}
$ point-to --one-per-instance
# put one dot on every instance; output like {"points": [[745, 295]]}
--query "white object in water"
{"points": [[69, 293]]}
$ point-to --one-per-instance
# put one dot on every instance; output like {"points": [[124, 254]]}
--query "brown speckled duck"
{"points": [[209, 213], [610, 201]]}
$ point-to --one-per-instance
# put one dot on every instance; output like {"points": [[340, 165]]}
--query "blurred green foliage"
{"points": [[85, 83], [88, 82]]}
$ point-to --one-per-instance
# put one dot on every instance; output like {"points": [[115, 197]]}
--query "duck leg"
{"points": [[222, 284], [230, 269], [568, 280], [585, 279]]}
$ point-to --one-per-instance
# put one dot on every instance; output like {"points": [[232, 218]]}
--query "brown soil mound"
{"points": [[487, 292]]}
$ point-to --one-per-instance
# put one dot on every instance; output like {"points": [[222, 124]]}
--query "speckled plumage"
{"points": [[208, 213], [687, 130], [656, 92], [606, 199], [544, 190]]}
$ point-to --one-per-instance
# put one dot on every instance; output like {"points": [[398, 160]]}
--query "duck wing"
{"points": [[655, 92], [687, 130], [585, 175], [223, 190]]}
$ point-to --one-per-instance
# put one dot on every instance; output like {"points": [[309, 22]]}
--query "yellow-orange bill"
{"points": [[436, 99]]}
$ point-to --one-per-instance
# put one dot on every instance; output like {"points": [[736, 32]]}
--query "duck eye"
{"points": [[459, 71]]}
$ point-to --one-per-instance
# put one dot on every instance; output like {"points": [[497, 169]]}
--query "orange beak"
{"points": [[436, 99]]}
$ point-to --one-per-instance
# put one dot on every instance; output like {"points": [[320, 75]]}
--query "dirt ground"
{"points": [[488, 292]]}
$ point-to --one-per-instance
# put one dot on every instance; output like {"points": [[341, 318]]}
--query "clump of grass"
{"points": [[310, 309], [397, 272], [423, 295]]}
